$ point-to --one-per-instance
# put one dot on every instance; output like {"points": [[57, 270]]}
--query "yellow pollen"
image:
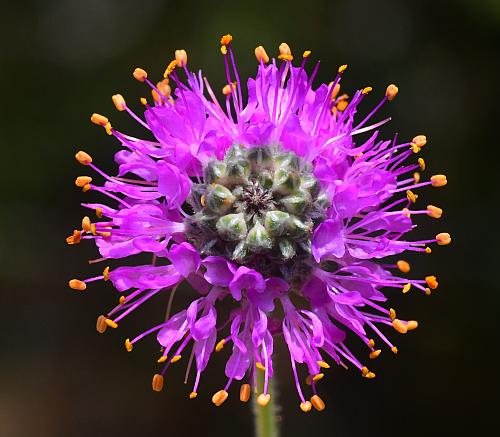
{"points": [[244, 392], [306, 54], [181, 57], [220, 345], [411, 325], [260, 366], [157, 383], [419, 141], [391, 92], [370, 375], [342, 68], [76, 284], [443, 239], [81, 181], [111, 323], [226, 39], [98, 119], [428, 291], [364, 371], [86, 223], [75, 238], [394, 350], [192, 395], [119, 102], [323, 364], [317, 403], [105, 273], [416, 177], [162, 359], [83, 158], [261, 55], [143, 101], [140, 74], [431, 282], [375, 354], [93, 229], [399, 326], [439, 180], [403, 266], [406, 212], [342, 105], [109, 128], [223, 50], [434, 211], [392, 313], [318, 377], [305, 406], [228, 89], [406, 288], [285, 52], [421, 163], [98, 212], [170, 68], [128, 345], [122, 300], [371, 343], [335, 91], [175, 358], [219, 397], [263, 399], [366, 90], [100, 325], [428, 250], [415, 148], [412, 197]]}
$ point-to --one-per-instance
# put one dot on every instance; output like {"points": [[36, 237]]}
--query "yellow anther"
{"points": [[192, 395], [128, 345], [306, 54], [412, 197], [157, 383], [219, 397], [175, 358], [99, 119], [140, 74], [364, 371], [317, 403], [81, 181], [119, 102], [105, 273], [285, 52], [375, 354], [98, 212], [220, 345], [260, 366], [391, 92], [406, 288], [305, 406], [399, 326], [162, 359], [111, 323], [323, 364], [170, 68], [431, 282], [342, 105], [415, 148], [406, 212], [416, 177], [366, 90], [428, 250], [419, 141], [226, 39], [392, 313], [403, 266], [228, 89], [434, 211], [143, 101], [438, 180], [244, 392], [109, 128], [411, 325], [86, 224], [76, 284], [83, 158], [318, 377], [342, 68], [100, 325], [443, 238], [335, 91], [370, 375], [371, 343], [75, 238], [223, 50], [93, 229], [421, 164], [181, 57], [394, 350], [428, 291], [122, 300], [261, 55], [263, 399]]}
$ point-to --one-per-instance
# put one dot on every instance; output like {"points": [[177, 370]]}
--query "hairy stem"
{"points": [[266, 418]]}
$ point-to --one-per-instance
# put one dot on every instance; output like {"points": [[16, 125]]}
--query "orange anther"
{"points": [[83, 158], [76, 284], [261, 55], [99, 119], [391, 92], [140, 74]]}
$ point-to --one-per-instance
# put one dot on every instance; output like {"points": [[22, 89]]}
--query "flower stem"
{"points": [[265, 418]]}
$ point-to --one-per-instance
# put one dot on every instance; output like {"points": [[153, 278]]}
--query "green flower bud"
{"points": [[310, 184], [258, 239], [235, 151], [286, 181], [287, 249], [265, 179], [296, 203], [287, 160], [322, 201], [219, 199], [237, 171], [297, 228], [232, 227], [214, 171], [260, 158], [276, 222], [240, 251]]}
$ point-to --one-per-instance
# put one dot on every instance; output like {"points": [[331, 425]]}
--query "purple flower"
{"points": [[281, 206]]}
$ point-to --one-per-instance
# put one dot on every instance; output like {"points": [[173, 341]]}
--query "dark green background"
{"points": [[62, 60]]}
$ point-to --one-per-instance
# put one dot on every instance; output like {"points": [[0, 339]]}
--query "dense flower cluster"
{"points": [[269, 205]]}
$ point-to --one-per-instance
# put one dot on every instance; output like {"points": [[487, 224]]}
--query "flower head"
{"points": [[273, 205]]}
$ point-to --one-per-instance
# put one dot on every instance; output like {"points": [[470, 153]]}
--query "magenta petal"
{"points": [[246, 278], [328, 240], [219, 271], [185, 258]]}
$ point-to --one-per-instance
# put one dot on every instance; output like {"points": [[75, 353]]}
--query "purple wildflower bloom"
{"points": [[271, 205]]}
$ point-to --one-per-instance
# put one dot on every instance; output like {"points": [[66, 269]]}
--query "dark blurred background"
{"points": [[61, 60]]}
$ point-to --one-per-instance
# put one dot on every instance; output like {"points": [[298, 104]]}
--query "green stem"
{"points": [[266, 418]]}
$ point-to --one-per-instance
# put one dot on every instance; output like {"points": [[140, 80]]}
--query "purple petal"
{"points": [[185, 258]]}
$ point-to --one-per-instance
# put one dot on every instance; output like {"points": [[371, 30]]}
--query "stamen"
{"points": [[305, 406], [438, 180], [375, 354], [219, 397], [81, 181], [119, 102], [371, 343], [411, 325], [263, 399], [323, 364], [419, 141], [76, 284], [406, 288], [421, 164], [412, 197], [431, 282], [99, 120], [318, 377], [391, 92], [399, 326], [306, 54], [366, 90], [342, 68], [162, 359], [394, 350], [140, 74], [100, 325], [261, 55], [105, 273], [245, 392], [260, 366], [317, 403], [285, 52], [111, 323], [175, 359], [75, 238], [220, 345], [192, 395], [128, 345], [83, 158], [157, 383], [392, 313], [181, 57], [443, 239], [86, 224], [416, 177], [403, 266], [170, 68], [226, 39]]}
